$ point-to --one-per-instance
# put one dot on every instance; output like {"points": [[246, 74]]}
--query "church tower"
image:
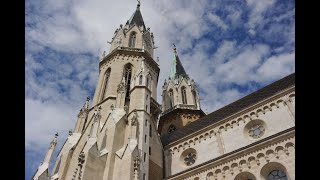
{"points": [[180, 99], [116, 137]]}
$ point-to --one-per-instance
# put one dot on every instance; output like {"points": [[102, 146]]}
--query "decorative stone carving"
{"points": [[134, 118], [121, 87], [118, 40], [136, 164], [136, 167], [79, 167], [81, 158], [126, 108]]}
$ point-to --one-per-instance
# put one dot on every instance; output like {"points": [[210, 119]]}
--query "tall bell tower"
{"points": [[180, 99], [116, 137]]}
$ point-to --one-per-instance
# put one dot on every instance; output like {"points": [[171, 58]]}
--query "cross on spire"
{"points": [[174, 48]]}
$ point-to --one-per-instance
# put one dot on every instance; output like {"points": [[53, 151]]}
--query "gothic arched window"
{"points": [[140, 80], [132, 40], [127, 77], [106, 81], [194, 97], [147, 82], [184, 95], [171, 98]]}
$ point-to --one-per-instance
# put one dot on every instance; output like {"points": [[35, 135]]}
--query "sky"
{"points": [[230, 49]]}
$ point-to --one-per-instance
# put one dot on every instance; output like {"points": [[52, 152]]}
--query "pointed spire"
{"points": [[51, 149], [43, 169], [177, 69], [136, 18], [85, 106]]}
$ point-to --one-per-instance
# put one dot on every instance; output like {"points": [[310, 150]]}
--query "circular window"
{"points": [[190, 159], [189, 156], [171, 128], [255, 129]]}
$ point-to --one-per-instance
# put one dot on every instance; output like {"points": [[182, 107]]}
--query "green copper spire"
{"points": [[176, 69]]}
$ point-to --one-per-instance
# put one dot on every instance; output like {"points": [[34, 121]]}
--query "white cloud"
{"points": [[44, 119], [217, 21], [258, 8], [239, 69], [276, 66]]}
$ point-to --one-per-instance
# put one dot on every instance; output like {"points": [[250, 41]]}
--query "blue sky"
{"points": [[230, 49]]}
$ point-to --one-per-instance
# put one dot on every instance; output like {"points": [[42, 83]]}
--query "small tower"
{"points": [[82, 117], [180, 99], [43, 170]]}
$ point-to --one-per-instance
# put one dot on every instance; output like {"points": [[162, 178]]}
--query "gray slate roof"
{"points": [[137, 19]]}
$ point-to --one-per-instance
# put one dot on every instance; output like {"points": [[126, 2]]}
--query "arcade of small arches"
{"points": [[255, 128], [270, 171], [270, 158]]}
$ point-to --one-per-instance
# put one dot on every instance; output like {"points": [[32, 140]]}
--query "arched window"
{"points": [[274, 171], [194, 97], [277, 175], [132, 40], [209, 176], [127, 78], [171, 128], [106, 81], [184, 95], [147, 82], [171, 98], [140, 80], [245, 176]]}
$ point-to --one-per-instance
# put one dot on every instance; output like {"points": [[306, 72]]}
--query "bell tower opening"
{"points": [[184, 95], [170, 98], [127, 82], [132, 40], [105, 86]]}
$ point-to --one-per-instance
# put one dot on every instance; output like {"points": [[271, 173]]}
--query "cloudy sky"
{"points": [[230, 49]]}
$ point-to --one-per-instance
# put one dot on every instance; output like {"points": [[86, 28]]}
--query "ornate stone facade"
{"points": [[125, 134]]}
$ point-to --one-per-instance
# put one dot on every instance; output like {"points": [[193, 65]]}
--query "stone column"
{"points": [[290, 108]]}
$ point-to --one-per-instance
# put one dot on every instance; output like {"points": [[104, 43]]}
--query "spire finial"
{"points": [[174, 48], [138, 5], [54, 141]]}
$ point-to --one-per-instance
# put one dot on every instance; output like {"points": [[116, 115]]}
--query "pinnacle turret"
{"points": [[177, 70]]}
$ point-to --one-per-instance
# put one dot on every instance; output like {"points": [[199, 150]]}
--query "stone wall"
{"points": [[232, 133]]}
